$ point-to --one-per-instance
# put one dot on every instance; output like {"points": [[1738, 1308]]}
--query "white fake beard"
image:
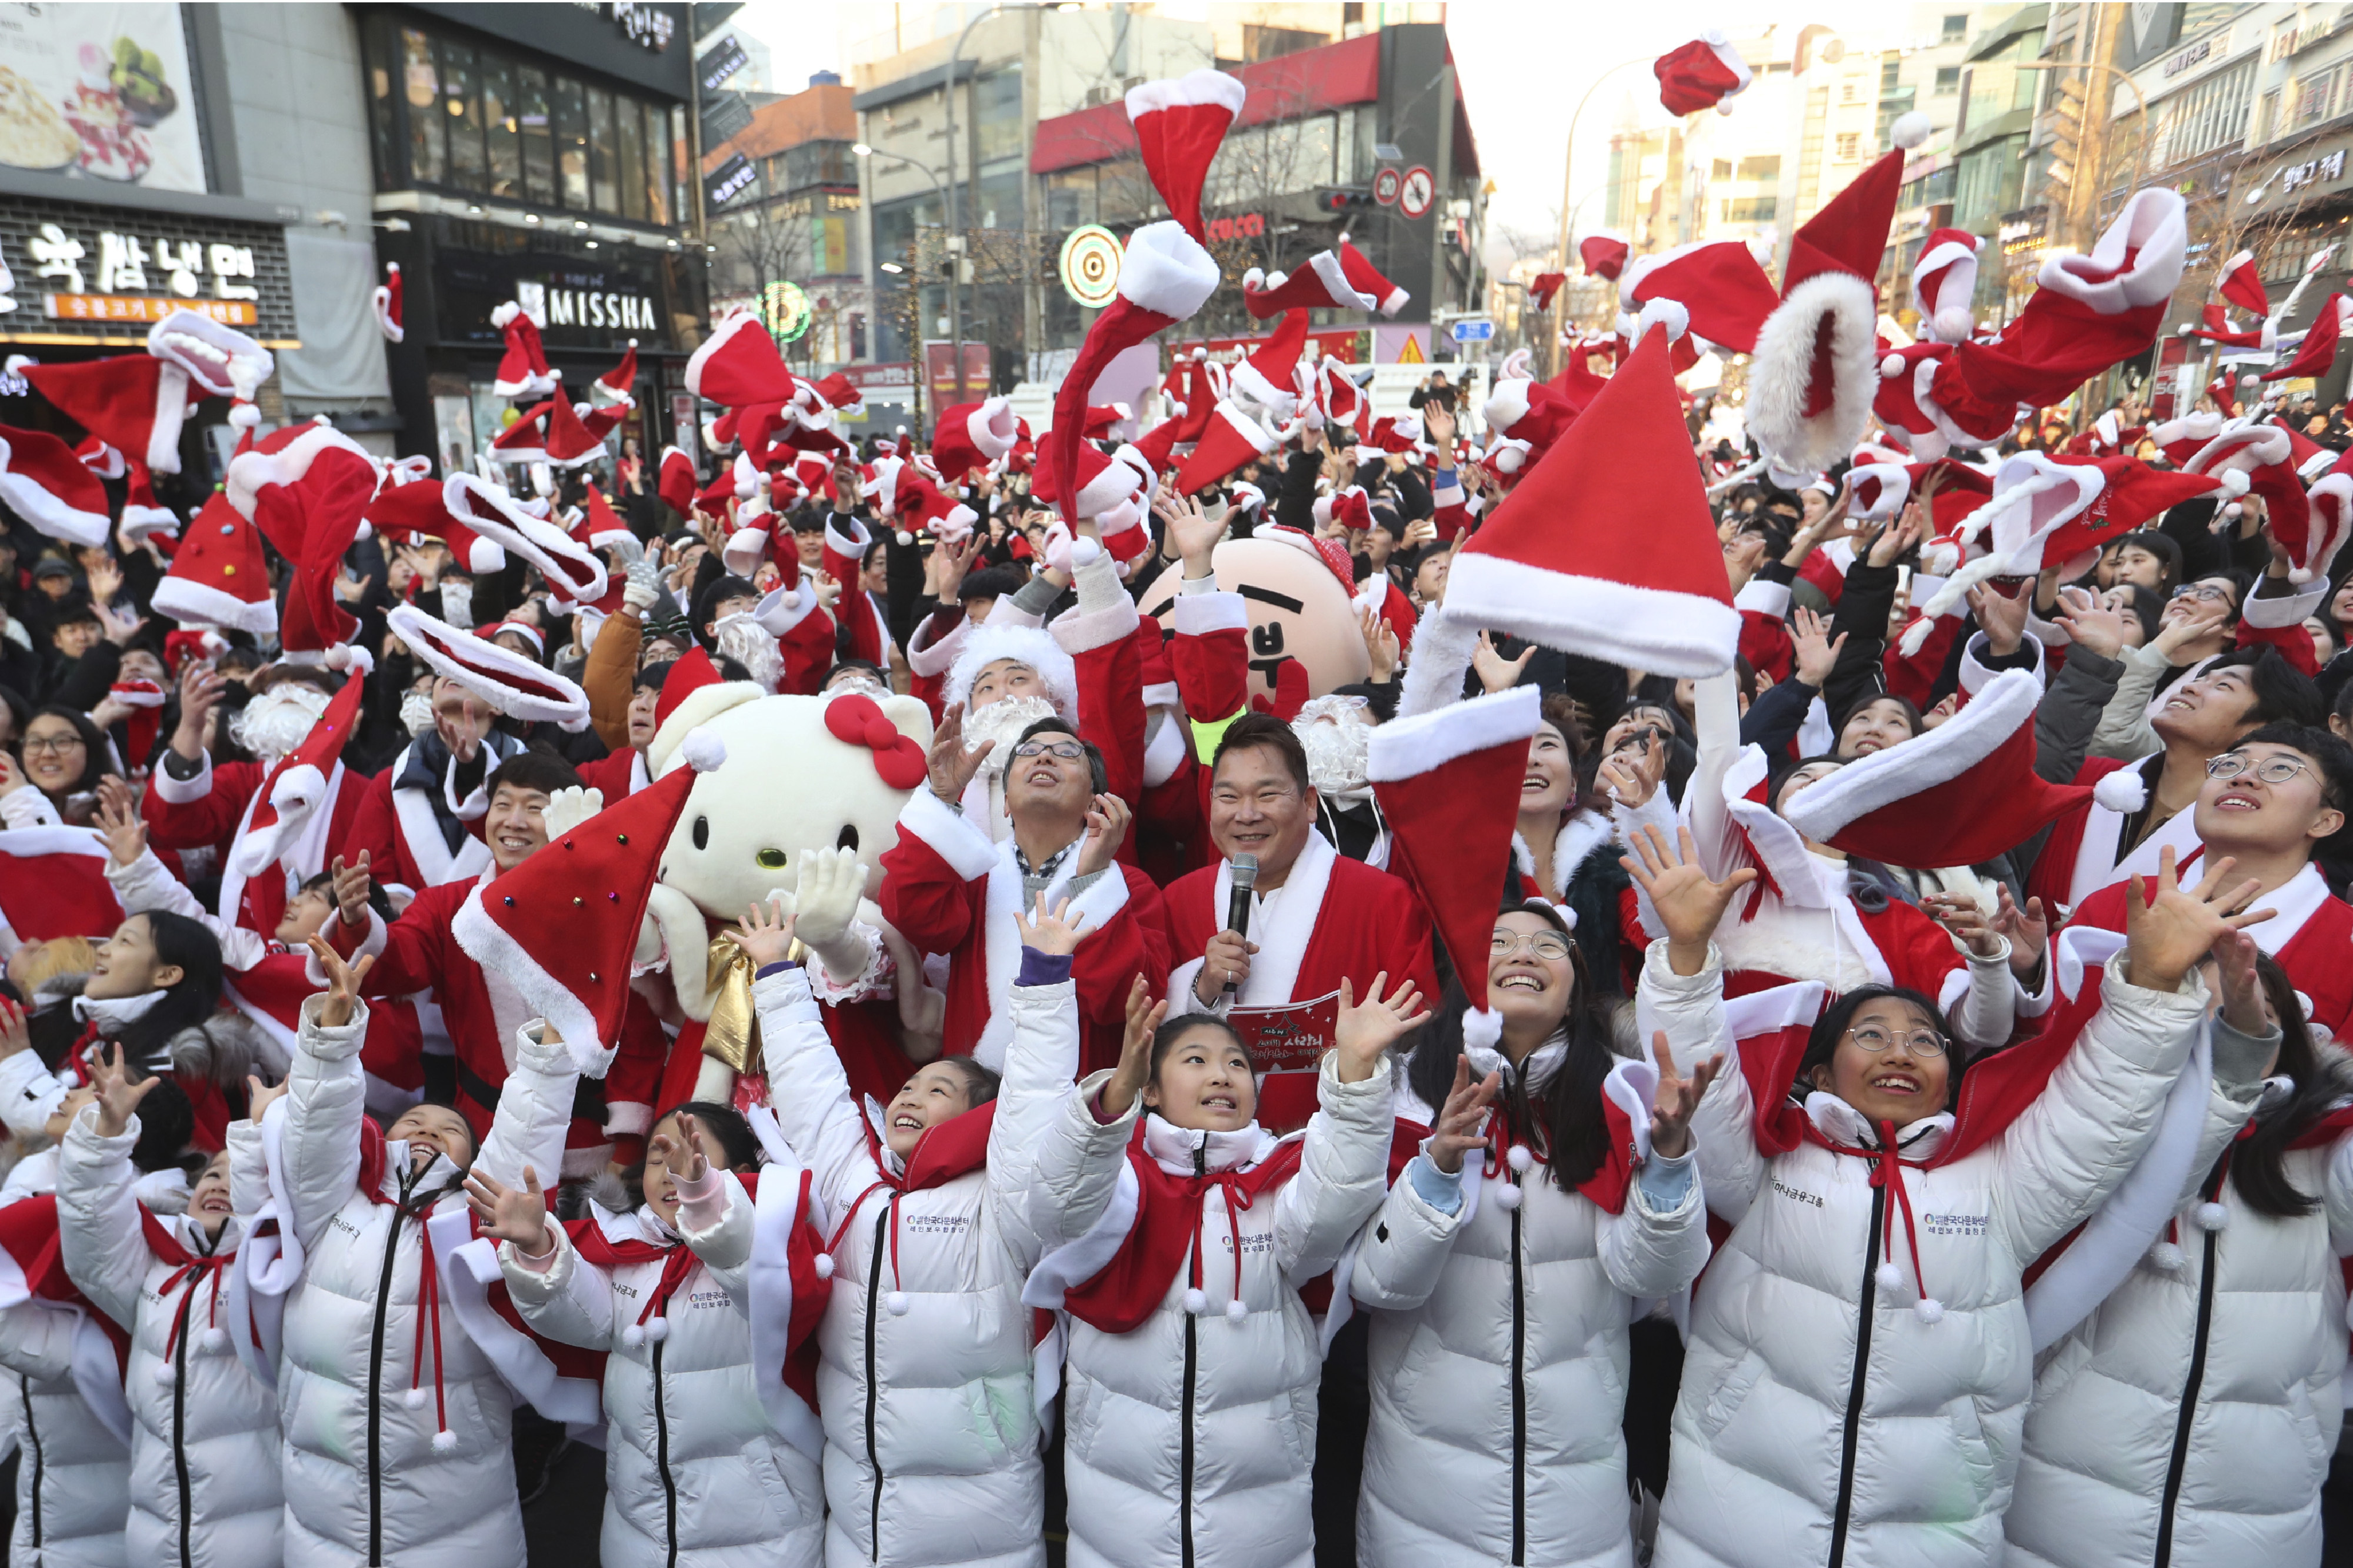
{"points": [[1002, 721], [741, 638], [277, 721], [416, 713], [1336, 739]]}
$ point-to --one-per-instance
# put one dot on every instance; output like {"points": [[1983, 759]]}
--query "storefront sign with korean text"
{"points": [[69, 273]]}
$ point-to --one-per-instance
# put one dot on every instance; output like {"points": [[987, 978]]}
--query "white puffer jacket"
{"points": [[204, 1488], [364, 1483], [931, 1428], [695, 1477], [1498, 1360], [73, 1475], [1190, 1439], [2198, 1402], [1823, 1412]]}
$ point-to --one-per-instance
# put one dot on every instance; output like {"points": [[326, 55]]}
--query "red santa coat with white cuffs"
{"points": [[2083, 852], [403, 838], [947, 889], [216, 808]]}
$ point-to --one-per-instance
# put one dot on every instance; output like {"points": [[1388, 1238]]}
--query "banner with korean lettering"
{"points": [[103, 90]]}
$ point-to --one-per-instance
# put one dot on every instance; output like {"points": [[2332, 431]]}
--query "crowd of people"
{"points": [[1895, 1116]]}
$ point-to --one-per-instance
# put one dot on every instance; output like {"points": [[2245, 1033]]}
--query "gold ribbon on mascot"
{"points": [[732, 1036]]}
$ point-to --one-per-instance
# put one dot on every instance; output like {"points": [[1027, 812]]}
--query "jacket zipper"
{"points": [[2180, 1461], [1867, 1310], [375, 1382], [1519, 1400], [33, 1435], [662, 1457], [1184, 1434], [180, 1412], [873, 1386]]}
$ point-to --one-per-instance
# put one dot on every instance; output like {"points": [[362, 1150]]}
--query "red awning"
{"points": [[1289, 86]]}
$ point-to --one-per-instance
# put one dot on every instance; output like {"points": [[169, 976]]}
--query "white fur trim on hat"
{"points": [[1409, 748], [215, 357], [2154, 225], [1826, 808], [501, 676], [1032, 645], [1165, 270], [1200, 87], [1780, 372]]}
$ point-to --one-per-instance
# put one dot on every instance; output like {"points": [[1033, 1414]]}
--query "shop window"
{"points": [[996, 102], [1948, 80], [501, 128], [607, 196], [630, 169], [383, 134], [657, 157], [465, 112], [421, 86], [538, 144], [571, 142]]}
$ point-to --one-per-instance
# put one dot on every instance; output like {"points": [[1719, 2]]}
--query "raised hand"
{"points": [[1192, 531], [952, 767], [201, 689], [1052, 932], [463, 730], [1631, 778], [343, 982], [825, 898], [1438, 428], [517, 1215], [1134, 1069], [118, 819], [1498, 673], [1816, 650], [1964, 919], [351, 887], [1463, 1120], [766, 934], [1226, 959], [1382, 653], [2027, 928], [1365, 1031], [682, 1154], [1678, 1096], [118, 1093], [1690, 903], [2169, 928], [2091, 626], [2003, 616], [260, 1097], [1107, 820], [944, 572], [2238, 985], [15, 1029]]}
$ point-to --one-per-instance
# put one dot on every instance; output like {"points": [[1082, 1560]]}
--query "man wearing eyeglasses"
{"points": [[2270, 804], [948, 889]]}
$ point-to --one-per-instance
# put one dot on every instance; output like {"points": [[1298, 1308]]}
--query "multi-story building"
{"points": [[785, 230]]}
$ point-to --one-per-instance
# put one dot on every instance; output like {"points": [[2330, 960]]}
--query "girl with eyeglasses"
{"points": [[64, 756], [1859, 1358], [1505, 1268]]}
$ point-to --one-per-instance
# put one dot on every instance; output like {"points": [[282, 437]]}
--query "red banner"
{"points": [[1340, 342], [939, 362]]}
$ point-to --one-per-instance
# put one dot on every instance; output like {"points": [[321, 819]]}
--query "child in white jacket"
{"points": [[931, 1423], [204, 1489], [1190, 1395]]}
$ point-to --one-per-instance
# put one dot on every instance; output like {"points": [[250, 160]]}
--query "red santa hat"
{"points": [[1395, 433], [573, 571], [676, 482], [1604, 255], [1555, 563], [1100, 418], [522, 369], [145, 699], [509, 682], [526, 439], [138, 403], [561, 927], [2214, 327], [419, 509], [921, 504], [2242, 283], [973, 436], [1448, 783], [601, 527], [1944, 280], [1321, 284], [49, 487], [1815, 368], [299, 786], [1267, 382], [1166, 277], [1548, 284], [619, 383], [388, 304], [1338, 394], [307, 487], [2328, 516], [1366, 278], [1719, 283], [1179, 124], [1701, 74], [218, 576], [690, 673], [143, 516], [1348, 507], [738, 365], [570, 443], [1232, 439], [53, 884], [101, 459], [2317, 353], [1883, 488], [1529, 411], [1962, 793]]}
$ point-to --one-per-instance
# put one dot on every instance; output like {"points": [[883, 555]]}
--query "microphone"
{"points": [[1245, 879]]}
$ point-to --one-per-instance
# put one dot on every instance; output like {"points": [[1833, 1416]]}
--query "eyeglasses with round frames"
{"points": [[1879, 1041], [2270, 770], [1548, 945]]}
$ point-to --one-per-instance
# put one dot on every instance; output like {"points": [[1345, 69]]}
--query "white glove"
{"points": [[568, 807], [831, 883]]}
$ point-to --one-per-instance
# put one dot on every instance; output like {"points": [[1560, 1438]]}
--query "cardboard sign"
{"points": [[1290, 1038]]}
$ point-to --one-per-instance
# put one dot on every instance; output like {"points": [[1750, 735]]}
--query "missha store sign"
{"points": [[586, 303], [558, 306]]}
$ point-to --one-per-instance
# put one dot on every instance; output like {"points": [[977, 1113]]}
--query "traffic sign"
{"points": [[1420, 191], [1473, 331], [1385, 186]]}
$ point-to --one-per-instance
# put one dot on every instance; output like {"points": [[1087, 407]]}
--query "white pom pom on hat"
{"points": [[2235, 481], [1910, 131], [1954, 323], [704, 752], [1891, 367], [2122, 790], [1670, 313]]}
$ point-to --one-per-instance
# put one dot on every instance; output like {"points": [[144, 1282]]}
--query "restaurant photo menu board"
{"points": [[101, 91]]}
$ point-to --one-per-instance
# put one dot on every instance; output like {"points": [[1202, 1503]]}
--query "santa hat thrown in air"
{"points": [[973, 436], [601, 527], [1179, 125], [2242, 284], [388, 304], [1266, 383], [1701, 75], [1530, 411], [570, 443], [138, 403], [219, 576], [525, 440], [619, 383], [49, 487], [143, 515], [1232, 439], [53, 884], [1321, 284], [2317, 353], [1448, 784], [419, 508], [1366, 278], [303, 781], [1338, 394], [509, 682], [1348, 507], [1556, 563], [101, 459], [1032, 645], [677, 481], [2329, 516], [523, 369], [1962, 793], [307, 487], [1719, 282], [1548, 284], [1604, 255], [574, 572], [1944, 280], [562, 926]]}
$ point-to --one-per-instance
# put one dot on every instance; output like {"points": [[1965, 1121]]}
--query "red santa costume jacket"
{"points": [[482, 1010], [619, 775], [947, 889], [215, 807], [2081, 854], [2310, 933], [403, 836]]}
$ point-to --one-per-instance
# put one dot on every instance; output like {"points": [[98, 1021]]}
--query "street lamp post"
{"points": [[957, 241], [1569, 177], [863, 150]]}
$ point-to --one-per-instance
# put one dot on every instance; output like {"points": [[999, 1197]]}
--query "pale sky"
{"points": [[1524, 64]]}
